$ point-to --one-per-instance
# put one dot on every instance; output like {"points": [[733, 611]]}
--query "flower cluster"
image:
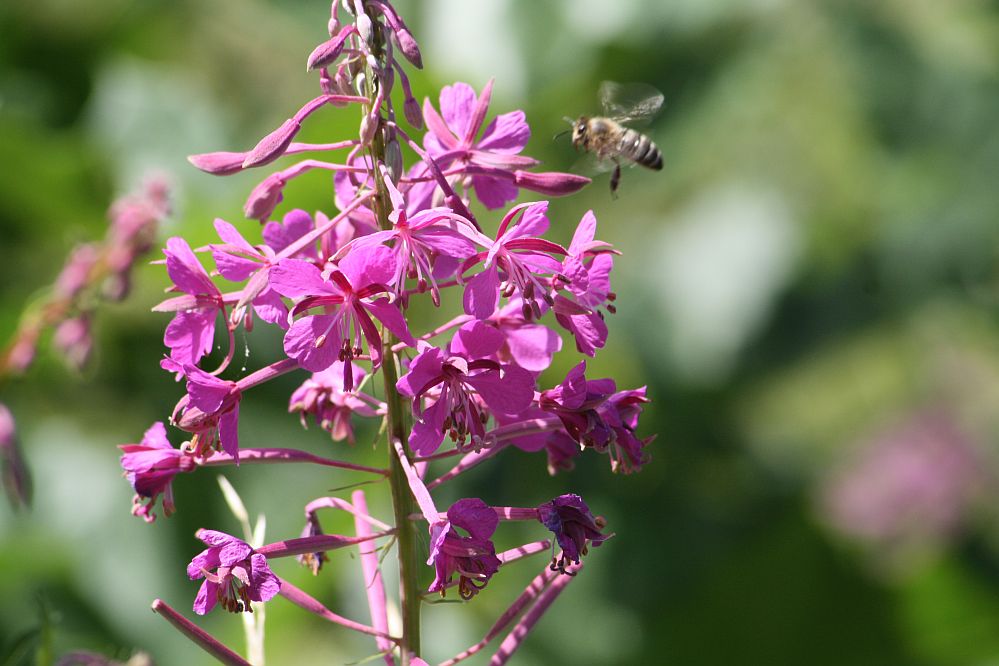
{"points": [[340, 288]]}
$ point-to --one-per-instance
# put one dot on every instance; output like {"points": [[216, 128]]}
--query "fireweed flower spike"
{"points": [[570, 520], [234, 574], [343, 283], [150, 467]]}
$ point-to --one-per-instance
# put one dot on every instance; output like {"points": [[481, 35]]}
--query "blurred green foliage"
{"points": [[815, 263]]}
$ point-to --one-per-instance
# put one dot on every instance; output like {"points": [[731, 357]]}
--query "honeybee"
{"points": [[608, 139]]}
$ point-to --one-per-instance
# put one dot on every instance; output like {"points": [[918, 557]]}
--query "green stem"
{"points": [[403, 504]]}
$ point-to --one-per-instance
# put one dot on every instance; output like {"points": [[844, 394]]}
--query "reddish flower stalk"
{"points": [[198, 636]]}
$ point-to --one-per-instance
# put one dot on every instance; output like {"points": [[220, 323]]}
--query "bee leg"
{"points": [[615, 178]]}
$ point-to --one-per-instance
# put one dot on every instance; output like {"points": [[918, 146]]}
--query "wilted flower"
{"points": [[570, 520]]}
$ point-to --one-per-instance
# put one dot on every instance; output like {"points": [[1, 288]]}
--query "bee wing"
{"points": [[630, 102], [588, 164]]}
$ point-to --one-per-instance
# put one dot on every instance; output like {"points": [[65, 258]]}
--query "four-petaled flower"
{"points": [[344, 294], [570, 520], [525, 260], [465, 374], [150, 467], [234, 574], [472, 557], [451, 140]]}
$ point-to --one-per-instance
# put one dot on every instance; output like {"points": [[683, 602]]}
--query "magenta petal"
{"points": [[510, 393], [190, 335], [426, 367], [206, 560], [233, 267], [233, 552], [185, 270], [533, 345], [230, 235], [457, 104], [390, 315], [229, 431], [534, 221], [590, 332], [295, 278], [207, 597], [264, 585], [474, 516], [482, 293], [156, 437], [295, 224], [365, 266], [269, 307], [425, 438], [300, 342], [494, 192], [585, 233], [507, 133], [215, 538], [477, 340]]}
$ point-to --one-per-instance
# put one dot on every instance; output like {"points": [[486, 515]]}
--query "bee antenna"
{"points": [[561, 134]]}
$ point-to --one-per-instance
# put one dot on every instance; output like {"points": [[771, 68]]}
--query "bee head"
{"points": [[579, 130]]}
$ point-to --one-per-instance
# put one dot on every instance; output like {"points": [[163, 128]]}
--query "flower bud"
{"points": [[265, 197], [73, 340], [218, 164], [273, 145], [411, 109], [409, 47], [326, 53], [553, 183]]}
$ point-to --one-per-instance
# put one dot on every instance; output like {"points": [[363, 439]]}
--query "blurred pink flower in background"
{"points": [[909, 487]]}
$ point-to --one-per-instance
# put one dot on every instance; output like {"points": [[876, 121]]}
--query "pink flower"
{"points": [[323, 396], [465, 374], [452, 140], [345, 297], [150, 467], [472, 557], [524, 259], [295, 224], [191, 332], [620, 413], [210, 412], [587, 266], [234, 574]]}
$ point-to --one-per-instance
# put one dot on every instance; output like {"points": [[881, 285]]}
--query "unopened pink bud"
{"points": [[409, 47], [218, 164], [76, 273], [550, 182], [265, 197], [326, 53], [273, 145], [411, 109]]}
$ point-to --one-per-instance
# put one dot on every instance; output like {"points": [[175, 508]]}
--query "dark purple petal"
{"points": [[474, 516], [509, 393], [476, 340]]}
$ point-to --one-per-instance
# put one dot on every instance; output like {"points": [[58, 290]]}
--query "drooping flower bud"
{"points": [[218, 164], [550, 182], [273, 145]]}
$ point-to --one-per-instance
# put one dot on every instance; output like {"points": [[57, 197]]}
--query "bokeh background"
{"points": [[809, 289]]}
